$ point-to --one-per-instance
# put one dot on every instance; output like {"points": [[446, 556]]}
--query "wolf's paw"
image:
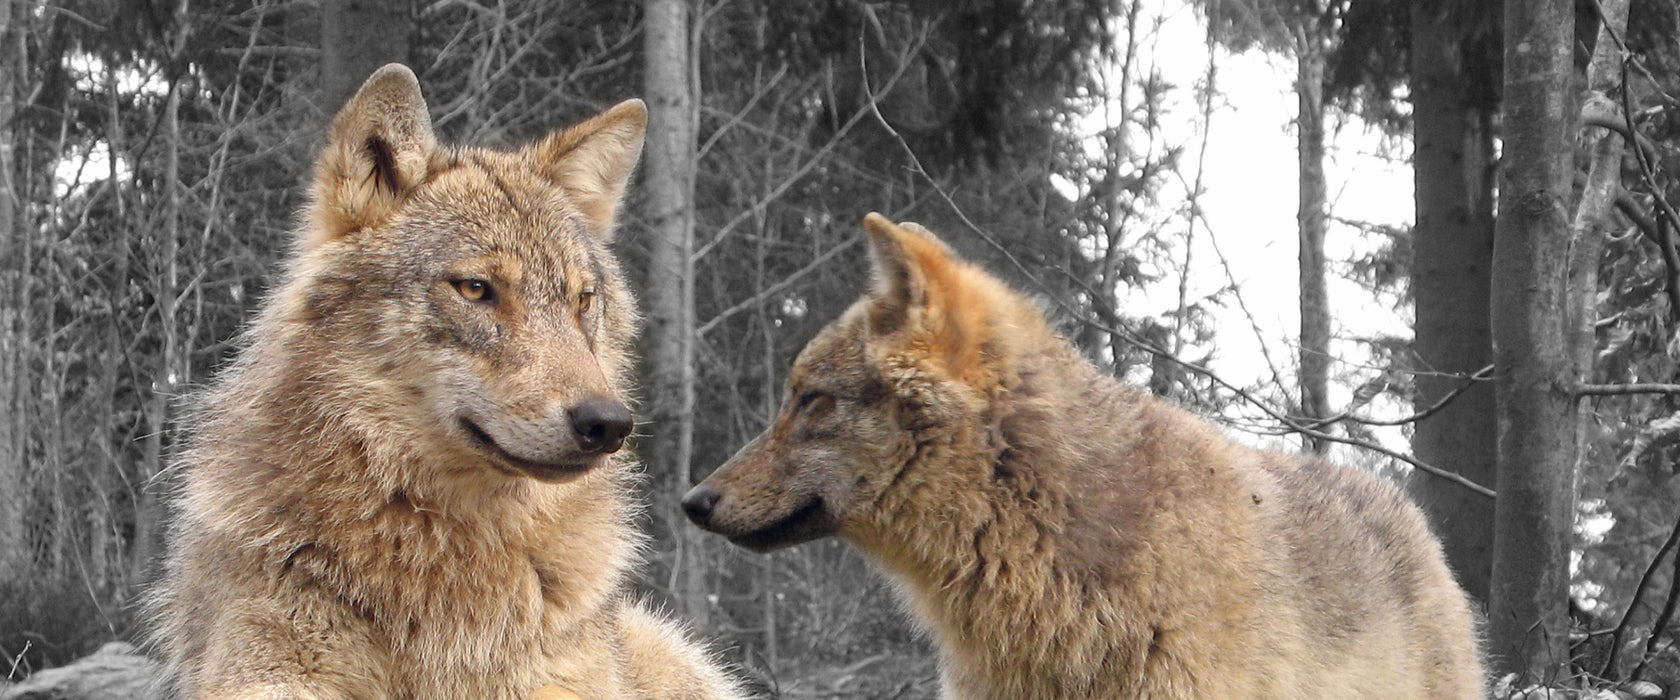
{"points": [[554, 692]]}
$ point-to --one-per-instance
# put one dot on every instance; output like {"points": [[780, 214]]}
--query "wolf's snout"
{"points": [[600, 424], [699, 502]]}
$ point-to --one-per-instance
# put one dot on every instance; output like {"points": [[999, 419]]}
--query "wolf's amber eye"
{"points": [[812, 402], [586, 299], [474, 289]]}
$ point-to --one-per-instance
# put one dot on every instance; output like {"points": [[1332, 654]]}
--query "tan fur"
{"points": [[1065, 536], [392, 494], [554, 692]]}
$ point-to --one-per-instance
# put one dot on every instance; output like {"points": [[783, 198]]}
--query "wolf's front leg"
{"points": [[270, 692], [666, 664], [554, 692], [267, 651]]}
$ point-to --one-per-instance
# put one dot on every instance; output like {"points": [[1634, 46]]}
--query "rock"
{"points": [[116, 672]]}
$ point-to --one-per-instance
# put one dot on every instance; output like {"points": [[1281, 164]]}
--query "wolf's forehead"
{"points": [[500, 210], [498, 185], [835, 353]]}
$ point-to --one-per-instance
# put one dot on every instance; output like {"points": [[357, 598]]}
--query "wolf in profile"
{"points": [[409, 484], [1063, 535]]}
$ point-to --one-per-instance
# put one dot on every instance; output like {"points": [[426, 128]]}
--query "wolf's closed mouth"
{"points": [[802, 525], [489, 444]]}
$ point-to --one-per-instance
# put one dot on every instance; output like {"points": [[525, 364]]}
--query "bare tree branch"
{"points": [[1481, 375], [772, 290], [816, 158], [1668, 220], [1625, 389], [1609, 669], [1663, 618]]}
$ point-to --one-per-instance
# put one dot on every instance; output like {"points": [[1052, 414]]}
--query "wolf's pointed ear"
{"points": [[381, 146], [921, 285], [899, 281], [593, 160]]}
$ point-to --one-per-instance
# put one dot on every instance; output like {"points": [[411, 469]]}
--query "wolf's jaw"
{"points": [[807, 522], [503, 461]]}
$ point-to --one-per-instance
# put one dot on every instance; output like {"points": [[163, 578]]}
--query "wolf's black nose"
{"points": [[600, 424], [699, 502]]}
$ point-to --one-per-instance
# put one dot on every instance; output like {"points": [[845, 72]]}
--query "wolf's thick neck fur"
{"points": [[1006, 563]]}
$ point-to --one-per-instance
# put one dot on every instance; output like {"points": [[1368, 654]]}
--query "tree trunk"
{"points": [[357, 37], [1595, 221], [108, 552], [1311, 219], [1116, 223], [669, 196], [13, 476], [1537, 367], [148, 511], [1595, 218], [1452, 257]]}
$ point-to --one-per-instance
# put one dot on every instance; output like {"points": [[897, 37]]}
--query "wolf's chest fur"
{"points": [[497, 588]]}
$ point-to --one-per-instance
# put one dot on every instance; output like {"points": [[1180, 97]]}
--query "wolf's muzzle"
{"points": [[600, 424], [699, 502]]}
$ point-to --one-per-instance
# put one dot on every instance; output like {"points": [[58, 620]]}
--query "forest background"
{"points": [[152, 152]]}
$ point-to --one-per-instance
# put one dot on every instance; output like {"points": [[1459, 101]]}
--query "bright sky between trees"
{"points": [[1247, 237]]}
